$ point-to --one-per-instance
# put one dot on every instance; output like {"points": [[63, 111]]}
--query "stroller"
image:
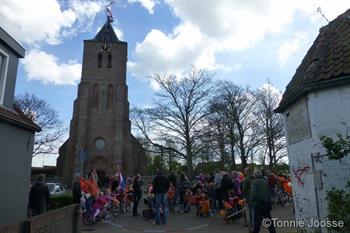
{"points": [[150, 212]]}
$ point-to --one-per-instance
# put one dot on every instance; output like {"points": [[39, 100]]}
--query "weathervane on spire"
{"points": [[109, 11]]}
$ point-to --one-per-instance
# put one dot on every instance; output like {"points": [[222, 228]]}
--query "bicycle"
{"points": [[105, 215], [282, 198]]}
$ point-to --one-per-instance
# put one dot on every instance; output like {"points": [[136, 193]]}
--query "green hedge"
{"points": [[60, 201]]}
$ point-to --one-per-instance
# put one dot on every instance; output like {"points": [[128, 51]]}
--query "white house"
{"points": [[316, 102]]}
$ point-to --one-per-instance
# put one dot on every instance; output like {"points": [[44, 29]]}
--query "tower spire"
{"points": [[106, 33]]}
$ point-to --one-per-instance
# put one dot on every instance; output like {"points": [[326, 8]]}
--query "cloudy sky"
{"points": [[246, 41]]}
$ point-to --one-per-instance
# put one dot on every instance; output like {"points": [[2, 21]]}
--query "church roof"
{"points": [[326, 64], [106, 34]]}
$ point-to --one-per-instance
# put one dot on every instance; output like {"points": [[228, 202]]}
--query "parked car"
{"points": [[56, 188]]}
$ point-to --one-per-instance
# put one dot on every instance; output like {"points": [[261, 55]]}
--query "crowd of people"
{"points": [[230, 194]]}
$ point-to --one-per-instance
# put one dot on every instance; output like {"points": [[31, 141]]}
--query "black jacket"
{"points": [[136, 186], [160, 184], [226, 183], [39, 196]]}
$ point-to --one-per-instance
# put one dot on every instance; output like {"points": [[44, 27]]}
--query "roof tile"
{"points": [[17, 116], [325, 64]]}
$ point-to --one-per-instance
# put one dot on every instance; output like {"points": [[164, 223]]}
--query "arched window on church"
{"points": [[110, 96], [99, 60], [95, 96], [109, 64]]}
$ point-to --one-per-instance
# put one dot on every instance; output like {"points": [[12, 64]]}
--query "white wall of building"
{"points": [[324, 112]]}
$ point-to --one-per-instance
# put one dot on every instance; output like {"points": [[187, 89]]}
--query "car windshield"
{"points": [[51, 187]]}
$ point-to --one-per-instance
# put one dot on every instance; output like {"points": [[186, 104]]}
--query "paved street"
{"points": [[183, 223]]}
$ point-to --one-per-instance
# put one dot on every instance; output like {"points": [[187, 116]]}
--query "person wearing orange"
{"points": [[287, 186], [91, 186], [281, 179], [187, 200], [83, 185], [195, 200], [204, 206], [171, 197], [90, 190], [284, 184]]}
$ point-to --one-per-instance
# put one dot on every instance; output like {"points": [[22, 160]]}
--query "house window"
{"points": [[4, 58]]}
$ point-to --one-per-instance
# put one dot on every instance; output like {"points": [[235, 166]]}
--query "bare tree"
{"points": [[219, 130], [237, 106], [270, 124], [38, 110], [178, 114]]}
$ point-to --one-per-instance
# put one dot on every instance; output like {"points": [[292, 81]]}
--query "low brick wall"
{"points": [[63, 220], [66, 219], [13, 228]]}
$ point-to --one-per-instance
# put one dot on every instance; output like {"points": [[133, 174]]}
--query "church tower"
{"points": [[100, 133]]}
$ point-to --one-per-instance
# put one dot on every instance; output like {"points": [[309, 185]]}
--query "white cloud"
{"points": [[44, 21], [148, 4], [209, 28], [269, 87], [234, 67], [47, 68], [119, 33], [165, 51], [289, 47]]}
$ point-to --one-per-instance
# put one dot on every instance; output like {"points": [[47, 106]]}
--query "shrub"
{"points": [[339, 208], [338, 199], [60, 201]]}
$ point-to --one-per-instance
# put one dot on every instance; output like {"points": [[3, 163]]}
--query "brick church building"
{"points": [[100, 133]]}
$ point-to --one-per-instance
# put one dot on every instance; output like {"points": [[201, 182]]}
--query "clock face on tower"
{"points": [[100, 144]]}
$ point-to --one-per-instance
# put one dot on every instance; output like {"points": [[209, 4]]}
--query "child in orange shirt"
{"points": [[204, 206], [195, 200], [171, 197], [187, 201]]}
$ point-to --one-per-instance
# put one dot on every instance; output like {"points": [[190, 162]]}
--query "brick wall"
{"points": [[14, 228], [66, 219], [63, 220]]}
